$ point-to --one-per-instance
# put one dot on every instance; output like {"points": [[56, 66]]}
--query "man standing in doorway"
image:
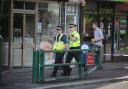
{"points": [[74, 43], [98, 37]]}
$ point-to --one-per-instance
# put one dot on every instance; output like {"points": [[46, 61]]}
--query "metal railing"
{"points": [[41, 70]]}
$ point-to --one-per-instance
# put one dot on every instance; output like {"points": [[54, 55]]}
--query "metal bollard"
{"points": [[80, 71], [1, 41], [41, 65], [35, 66], [98, 60]]}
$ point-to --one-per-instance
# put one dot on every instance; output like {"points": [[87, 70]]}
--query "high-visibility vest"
{"points": [[59, 45], [75, 43]]}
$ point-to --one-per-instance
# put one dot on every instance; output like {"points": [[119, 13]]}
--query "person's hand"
{"points": [[93, 41], [72, 37], [66, 46]]}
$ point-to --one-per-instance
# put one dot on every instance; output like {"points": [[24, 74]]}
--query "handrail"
{"points": [[39, 65], [70, 50]]}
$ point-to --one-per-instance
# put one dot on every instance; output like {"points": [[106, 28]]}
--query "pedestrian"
{"points": [[60, 43], [74, 43], [98, 37]]}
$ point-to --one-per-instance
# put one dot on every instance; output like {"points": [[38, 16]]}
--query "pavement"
{"points": [[22, 78]]}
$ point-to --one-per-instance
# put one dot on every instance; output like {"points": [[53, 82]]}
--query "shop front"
{"points": [[104, 15], [121, 27], [33, 21], [111, 16]]}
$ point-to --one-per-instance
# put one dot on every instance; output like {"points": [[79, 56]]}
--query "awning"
{"points": [[115, 0], [120, 0], [60, 0]]}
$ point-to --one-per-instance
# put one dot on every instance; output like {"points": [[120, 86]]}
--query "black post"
{"points": [[63, 14], [81, 21], [112, 34], [1, 42], [98, 10]]}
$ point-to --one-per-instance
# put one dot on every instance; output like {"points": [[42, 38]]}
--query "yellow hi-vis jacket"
{"points": [[59, 45], [75, 43]]}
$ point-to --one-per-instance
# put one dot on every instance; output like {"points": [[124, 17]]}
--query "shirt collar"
{"points": [[74, 31]]}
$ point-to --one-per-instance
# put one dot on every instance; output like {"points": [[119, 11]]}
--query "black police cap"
{"points": [[72, 25], [59, 28]]}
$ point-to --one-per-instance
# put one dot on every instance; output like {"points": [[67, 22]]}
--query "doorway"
{"points": [[23, 39]]}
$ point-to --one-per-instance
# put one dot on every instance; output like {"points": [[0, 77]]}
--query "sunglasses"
{"points": [[58, 29], [71, 26]]}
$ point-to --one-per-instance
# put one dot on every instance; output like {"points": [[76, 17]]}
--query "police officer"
{"points": [[74, 43], [59, 44]]}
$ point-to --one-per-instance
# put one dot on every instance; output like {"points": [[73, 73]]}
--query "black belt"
{"points": [[74, 47]]}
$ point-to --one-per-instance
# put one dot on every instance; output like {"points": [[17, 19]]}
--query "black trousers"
{"points": [[58, 59], [69, 58]]}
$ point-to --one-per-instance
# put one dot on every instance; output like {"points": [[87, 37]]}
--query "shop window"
{"points": [[69, 20], [49, 18], [106, 5], [0, 5], [88, 22], [71, 16], [71, 8], [106, 8], [18, 27], [29, 28], [30, 5], [24, 5], [23, 32], [90, 15], [91, 7], [5, 7], [18, 5], [123, 32], [4, 28]]}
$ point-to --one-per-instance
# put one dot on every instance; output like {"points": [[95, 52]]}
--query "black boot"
{"points": [[53, 74], [69, 72], [66, 72]]}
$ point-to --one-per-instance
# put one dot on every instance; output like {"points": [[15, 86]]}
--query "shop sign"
{"points": [[90, 59]]}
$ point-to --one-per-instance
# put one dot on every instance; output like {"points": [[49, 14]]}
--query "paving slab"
{"points": [[22, 78]]}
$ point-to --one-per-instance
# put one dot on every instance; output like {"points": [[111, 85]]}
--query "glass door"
{"points": [[106, 24], [17, 39], [23, 39], [28, 39]]}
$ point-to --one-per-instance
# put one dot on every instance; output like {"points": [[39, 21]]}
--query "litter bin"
{"points": [[1, 42]]}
